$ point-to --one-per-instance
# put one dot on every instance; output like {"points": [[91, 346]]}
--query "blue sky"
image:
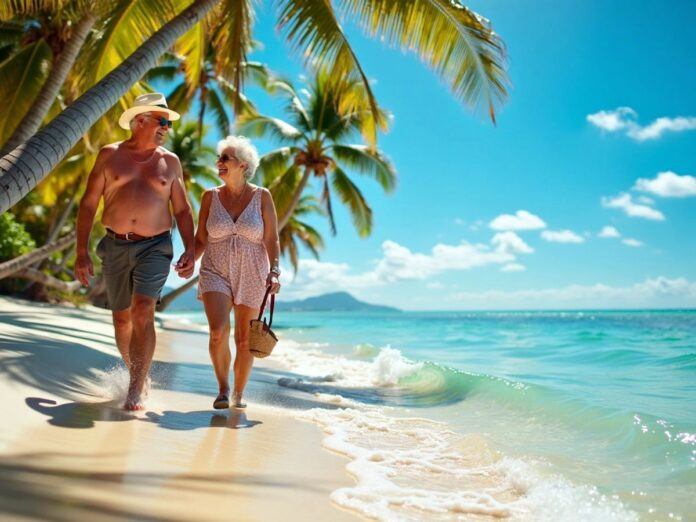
{"points": [[437, 243]]}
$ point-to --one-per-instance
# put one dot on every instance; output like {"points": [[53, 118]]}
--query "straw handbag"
{"points": [[261, 337]]}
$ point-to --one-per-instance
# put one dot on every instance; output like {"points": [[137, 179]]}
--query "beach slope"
{"points": [[68, 450]]}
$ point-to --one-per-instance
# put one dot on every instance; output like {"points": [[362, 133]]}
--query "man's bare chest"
{"points": [[152, 177]]}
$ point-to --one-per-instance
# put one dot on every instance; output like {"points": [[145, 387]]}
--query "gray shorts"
{"points": [[134, 267]]}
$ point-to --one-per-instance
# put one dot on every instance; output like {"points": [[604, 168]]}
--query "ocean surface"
{"points": [[527, 415]]}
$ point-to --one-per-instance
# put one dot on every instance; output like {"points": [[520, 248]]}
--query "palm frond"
{"points": [[351, 196], [257, 126], [456, 42], [369, 162], [232, 39], [22, 75], [217, 107], [192, 48], [313, 29]]}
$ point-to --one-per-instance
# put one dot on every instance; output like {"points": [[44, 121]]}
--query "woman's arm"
{"points": [[270, 239], [202, 232]]}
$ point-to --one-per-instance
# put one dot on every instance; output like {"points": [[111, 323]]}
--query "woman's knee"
{"points": [[219, 333]]}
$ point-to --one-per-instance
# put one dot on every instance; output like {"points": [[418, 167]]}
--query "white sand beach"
{"points": [[68, 451]]}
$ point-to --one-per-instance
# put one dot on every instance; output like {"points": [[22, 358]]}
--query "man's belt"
{"points": [[131, 236]]}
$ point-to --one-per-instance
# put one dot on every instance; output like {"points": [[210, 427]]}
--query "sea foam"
{"points": [[414, 468]]}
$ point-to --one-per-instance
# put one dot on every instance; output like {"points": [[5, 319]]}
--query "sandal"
{"points": [[222, 401]]}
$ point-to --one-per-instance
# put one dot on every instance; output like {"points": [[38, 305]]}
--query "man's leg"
{"points": [[142, 348], [123, 329]]}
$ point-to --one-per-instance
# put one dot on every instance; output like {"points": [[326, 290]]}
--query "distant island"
{"points": [[331, 302]]}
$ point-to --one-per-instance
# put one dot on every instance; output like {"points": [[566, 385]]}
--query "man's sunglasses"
{"points": [[163, 122]]}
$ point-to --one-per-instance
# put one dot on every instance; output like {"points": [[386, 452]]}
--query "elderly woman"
{"points": [[238, 238]]}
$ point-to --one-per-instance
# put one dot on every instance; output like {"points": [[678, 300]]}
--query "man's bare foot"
{"points": [[134, 403], [146, 387]]}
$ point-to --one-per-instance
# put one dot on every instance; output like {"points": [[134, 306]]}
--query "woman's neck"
{"points": [[236, 186]]}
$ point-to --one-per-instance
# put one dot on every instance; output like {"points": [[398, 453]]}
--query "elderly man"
{"points": [[138, 180]]}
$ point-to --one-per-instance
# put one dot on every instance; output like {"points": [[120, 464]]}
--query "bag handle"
{"points": [[263, 305]]}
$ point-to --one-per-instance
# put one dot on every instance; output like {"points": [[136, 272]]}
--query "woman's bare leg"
{"points": [[217, 309], [243, 360]]}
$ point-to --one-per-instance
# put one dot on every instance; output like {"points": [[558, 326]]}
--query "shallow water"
{"points": [[595, 410]]}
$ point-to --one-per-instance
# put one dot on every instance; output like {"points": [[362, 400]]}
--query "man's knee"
{"points": [[122, 319], [142, 310]]}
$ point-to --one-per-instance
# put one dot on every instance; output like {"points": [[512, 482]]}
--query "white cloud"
{"points": [[624, 119], [476, 225], [435, 285], [625, 202], [513, 267], [521, 220], [609, 231], [668, 185], [612, 121], [562, 236], [397, 263], [659, 292], [511, 243], [632, 242], [459, 221]]}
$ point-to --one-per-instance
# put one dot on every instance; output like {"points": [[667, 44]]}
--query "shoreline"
{"points": [[68, 449]]}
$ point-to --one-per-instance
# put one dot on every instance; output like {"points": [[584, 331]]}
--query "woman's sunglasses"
{"points": [[224, 158]]}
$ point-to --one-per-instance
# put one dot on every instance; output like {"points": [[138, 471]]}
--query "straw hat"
{"points": [[151, 102]]}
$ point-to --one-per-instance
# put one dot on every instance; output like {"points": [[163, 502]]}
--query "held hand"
{"points": [[84, 269], [273, 282], [184, 267]]}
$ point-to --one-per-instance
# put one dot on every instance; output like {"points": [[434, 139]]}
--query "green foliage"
{"points": [[14, 239]]}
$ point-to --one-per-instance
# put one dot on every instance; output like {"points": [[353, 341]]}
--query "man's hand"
{"points": [[184, 266], [84, 269]]}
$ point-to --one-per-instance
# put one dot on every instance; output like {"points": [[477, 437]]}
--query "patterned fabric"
{"points": [[235, 260]]}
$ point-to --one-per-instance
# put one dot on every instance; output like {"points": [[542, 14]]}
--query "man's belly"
{"points": [[146, 218]]}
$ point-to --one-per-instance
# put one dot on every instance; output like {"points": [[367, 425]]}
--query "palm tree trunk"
{"points": [[50, 89], [47, 280], [24, 167], [295, 200], [26, 260], [166, 300]]}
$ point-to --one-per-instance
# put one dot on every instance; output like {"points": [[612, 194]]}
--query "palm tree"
{"points": [[457, 43], [197, 159], [61, 31], [296, 230], [315, 144], [213, 91]]}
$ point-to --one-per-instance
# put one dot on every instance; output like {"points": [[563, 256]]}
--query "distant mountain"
{"points": [[336, 301]]}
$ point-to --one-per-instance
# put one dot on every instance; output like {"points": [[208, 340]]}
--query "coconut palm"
{"points": [[298, 231], [56, 30], [457, 43], [197, 159], [213, 91], [315, 144]]}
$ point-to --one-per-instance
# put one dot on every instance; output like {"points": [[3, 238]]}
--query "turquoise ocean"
{"points": [[588, 415]]}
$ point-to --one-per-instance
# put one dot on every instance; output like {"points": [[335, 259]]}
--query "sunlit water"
{"points": [[604, 402]]}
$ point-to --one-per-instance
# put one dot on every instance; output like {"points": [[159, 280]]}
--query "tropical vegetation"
{"points": [[74, 65]]}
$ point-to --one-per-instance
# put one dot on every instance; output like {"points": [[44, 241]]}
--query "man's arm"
{"points": [[184, 221], [85, 216]]}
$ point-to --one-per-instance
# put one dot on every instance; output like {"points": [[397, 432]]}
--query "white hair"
{"points": [[244, 151], [133, 121]]}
